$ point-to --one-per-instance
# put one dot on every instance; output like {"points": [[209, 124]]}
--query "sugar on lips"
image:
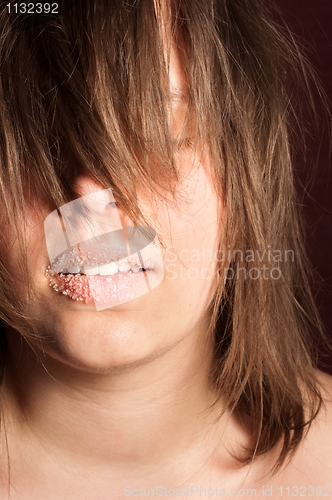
{"points": [[95, 275]]}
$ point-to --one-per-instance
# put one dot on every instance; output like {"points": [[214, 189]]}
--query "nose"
{"points": [[92, 214], [103, 200]]}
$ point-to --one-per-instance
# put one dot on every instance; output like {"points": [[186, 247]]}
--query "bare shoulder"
{"points": [[325, 382], [323, 422], [313, 462]]}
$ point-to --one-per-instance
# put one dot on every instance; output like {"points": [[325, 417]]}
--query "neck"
{"points": [[156, 409]]}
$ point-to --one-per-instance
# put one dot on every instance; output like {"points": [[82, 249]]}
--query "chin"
{"points": [[99, 342]]}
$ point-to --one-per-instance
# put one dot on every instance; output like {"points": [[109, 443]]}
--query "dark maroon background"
{"points": [[311, 21]]}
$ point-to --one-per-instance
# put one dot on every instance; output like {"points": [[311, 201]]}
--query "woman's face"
{"points": [[144, 327]]}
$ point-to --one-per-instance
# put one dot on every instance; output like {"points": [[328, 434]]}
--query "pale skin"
{"points": [[121, 397]]}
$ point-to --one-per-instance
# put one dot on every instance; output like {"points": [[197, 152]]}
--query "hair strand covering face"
{"points": [[76, 100]]}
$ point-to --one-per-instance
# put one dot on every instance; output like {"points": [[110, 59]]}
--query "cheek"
{"points": [[200, 220], [36, 245], [201, 233], [191, 258], [31, 235]]}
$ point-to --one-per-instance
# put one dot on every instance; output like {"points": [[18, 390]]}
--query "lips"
{"points": [[84, 273], [84, 276]]}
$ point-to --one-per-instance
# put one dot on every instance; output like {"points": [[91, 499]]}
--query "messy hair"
{"points": [[86, 92]]}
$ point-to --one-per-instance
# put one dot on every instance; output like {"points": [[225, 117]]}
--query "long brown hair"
{"points": [[85, 92]]}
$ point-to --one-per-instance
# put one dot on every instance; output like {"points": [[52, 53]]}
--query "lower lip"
{"points": [[104, 291]]}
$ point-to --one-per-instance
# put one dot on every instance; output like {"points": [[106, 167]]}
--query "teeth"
{"points": [[74, 269], [90, 270], [124, 266], [110, 268]]}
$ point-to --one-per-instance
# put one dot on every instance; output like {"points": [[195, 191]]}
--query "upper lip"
{"points": [[78, 257]]}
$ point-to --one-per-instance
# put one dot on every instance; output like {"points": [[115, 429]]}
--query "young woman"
{"points": [[158, 320]]}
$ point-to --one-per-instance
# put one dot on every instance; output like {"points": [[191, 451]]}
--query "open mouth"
{"points": [[92, 274], [109, 269]]}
